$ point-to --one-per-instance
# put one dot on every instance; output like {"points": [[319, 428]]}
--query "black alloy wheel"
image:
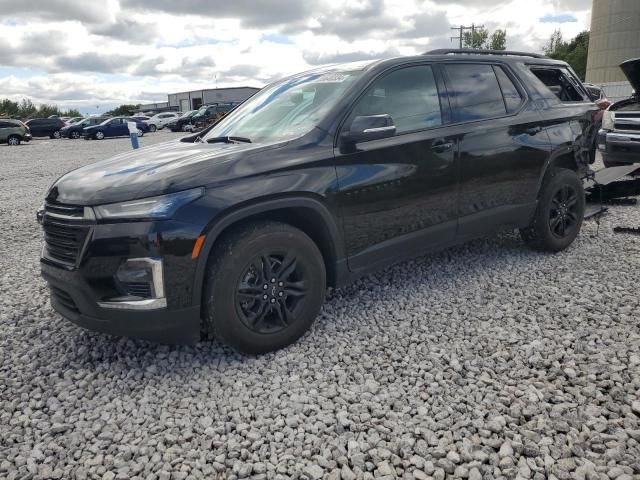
{"points": [[264, 286], [559, 213], [563, 214], [75, 134], [269, 292]]}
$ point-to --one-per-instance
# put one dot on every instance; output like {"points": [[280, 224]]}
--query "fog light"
{"points": [[141, 283]]}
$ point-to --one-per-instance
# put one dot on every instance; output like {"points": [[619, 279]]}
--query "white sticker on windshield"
{"points": [[332, 78]]}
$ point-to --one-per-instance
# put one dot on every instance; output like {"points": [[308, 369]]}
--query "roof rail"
{"points": [[478, 51]]}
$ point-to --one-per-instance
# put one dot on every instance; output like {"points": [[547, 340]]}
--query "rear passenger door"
{"points": [[502, 148]]}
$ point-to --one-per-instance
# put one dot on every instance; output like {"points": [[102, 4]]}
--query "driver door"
{"points": [[399, 194]]}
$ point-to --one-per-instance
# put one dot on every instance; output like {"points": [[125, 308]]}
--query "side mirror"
{"points": [[370, 127]]}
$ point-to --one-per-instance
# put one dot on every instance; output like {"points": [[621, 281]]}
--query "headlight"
{"points": [[608, 119], [163, 206]]}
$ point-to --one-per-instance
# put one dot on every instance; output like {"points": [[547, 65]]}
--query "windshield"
{"points": [[287, 109]]}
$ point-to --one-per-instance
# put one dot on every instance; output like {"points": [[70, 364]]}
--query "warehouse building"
{"points": [[185, 101], [614, 38]]}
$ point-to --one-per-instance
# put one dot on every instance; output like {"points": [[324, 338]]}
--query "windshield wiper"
{"points": [[228, 139]]}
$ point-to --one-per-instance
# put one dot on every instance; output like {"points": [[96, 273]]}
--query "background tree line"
{"points": [[574, 52], [25, 109]]}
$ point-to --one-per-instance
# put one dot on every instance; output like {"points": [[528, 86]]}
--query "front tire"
{"points": [[265, 284], [559, 214], [75, 135], [98, 135], [13, 140], [152, 128]]}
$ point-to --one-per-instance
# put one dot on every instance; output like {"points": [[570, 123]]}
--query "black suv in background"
{"points": [[318, 179], [45, 127], [619, 139]]}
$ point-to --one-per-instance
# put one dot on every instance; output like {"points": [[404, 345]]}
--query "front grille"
{"points": [[64, 233], [63, 298], [138, 289], [628, 126], [66, 210]]}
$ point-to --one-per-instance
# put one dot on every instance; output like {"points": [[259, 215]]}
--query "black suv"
{"points": [[45, 127], [619, 138], [318, 179]]}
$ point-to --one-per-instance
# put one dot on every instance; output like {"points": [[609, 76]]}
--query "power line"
{"points": [[462, 29]]}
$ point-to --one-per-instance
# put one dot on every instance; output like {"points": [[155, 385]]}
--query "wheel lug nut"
{"points": [[273, 280], [265, 296], [265, 286], [280, 294], [280, 284], [273, 300]]}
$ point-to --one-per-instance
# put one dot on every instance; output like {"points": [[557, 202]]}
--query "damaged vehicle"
{"points": [[619, 138], [318, 179]]}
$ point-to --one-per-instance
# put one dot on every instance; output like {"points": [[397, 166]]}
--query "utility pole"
{"points": [[462, 29]]}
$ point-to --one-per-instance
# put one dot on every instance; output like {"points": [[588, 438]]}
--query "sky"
{"points": [[93, 55]]}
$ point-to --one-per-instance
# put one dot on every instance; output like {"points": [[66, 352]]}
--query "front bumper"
{"points": [[27, 137], [87, 292], [73, 298], [619, 147]]}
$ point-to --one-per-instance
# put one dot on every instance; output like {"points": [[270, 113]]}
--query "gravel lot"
{"points": [[483, 361]]}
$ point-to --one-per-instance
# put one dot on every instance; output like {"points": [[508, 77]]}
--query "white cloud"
{"points": [[102, 53]]}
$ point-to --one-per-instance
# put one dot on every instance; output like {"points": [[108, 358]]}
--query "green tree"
{"points": [[574, 52], [124, 110], [498, 40], [482, 39]]}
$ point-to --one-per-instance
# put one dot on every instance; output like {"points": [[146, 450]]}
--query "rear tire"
{"points": [[75, 135], [265, 284], [13, 140], [56, 134], [559, 214], [98, 135], [152, 128]]}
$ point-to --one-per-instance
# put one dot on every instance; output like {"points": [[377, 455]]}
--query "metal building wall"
{"points": [[615, 37]]}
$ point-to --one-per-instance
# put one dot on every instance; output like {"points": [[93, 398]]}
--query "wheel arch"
{"points": [[306, 213]]}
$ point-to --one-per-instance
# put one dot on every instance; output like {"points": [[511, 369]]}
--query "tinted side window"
{"points": [[512, 97], [409, 96], [475, 92]]}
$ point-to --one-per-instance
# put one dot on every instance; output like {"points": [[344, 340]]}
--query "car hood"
{"points": [[631, 69], [156, 170]]}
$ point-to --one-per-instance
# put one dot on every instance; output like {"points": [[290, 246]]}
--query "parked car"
{"points": [[73, 120], [316, 180], [12, 132], [140, 118], [182, 123], [158, 122], [113, 127], [209, 114], [619, 138], [76, 130], [45, 127]]}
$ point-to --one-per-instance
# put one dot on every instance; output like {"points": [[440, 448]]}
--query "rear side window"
{"points": [[475, 92], [409, 95], [560, 82], [511, 95]]}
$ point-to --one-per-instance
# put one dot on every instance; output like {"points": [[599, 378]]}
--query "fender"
{"points": [[218, 225]]}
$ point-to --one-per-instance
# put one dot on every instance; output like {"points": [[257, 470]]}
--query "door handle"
{"points": [[440, 146], [533, 130]]}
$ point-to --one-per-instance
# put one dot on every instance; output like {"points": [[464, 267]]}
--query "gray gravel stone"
{"points": [[486, 360]]}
